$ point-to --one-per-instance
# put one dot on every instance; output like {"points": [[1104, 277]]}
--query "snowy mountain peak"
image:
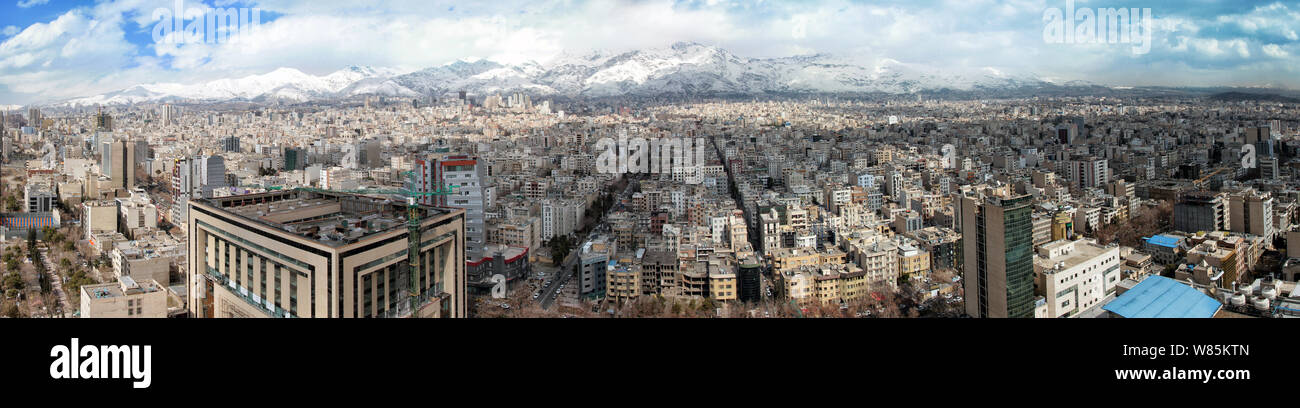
{"points": [[682, 68]]}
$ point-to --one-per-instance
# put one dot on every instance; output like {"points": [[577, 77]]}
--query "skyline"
{"points": [[52, 51]]}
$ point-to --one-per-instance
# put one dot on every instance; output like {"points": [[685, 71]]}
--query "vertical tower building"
{"points": [[473, 195], [103, 121], [231, 144], [1088, 172], [1198, 211], [122, 169], [998, 256], [1251, 212]]}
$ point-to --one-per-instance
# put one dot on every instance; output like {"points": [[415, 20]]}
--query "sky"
{"points": [[53, 50]]}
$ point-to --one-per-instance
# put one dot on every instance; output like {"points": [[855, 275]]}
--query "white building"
{"points": [[1075, 276]]}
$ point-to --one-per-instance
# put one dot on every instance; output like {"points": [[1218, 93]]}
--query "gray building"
{"points": [[593, 259], [1201, 211], [39, 198]]}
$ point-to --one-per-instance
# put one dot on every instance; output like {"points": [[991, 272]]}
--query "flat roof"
{"points": [[1167, 241], [331, 218], [1161, 297]]}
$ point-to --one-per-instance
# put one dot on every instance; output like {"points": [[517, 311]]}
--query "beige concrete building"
{"points": [[124, 299], [913, 262], [1251, 212], [99, 216], [142, 265], [302, 253]]}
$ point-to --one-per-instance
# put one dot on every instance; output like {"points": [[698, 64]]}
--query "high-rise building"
{"points": [[1088, 172], [1198, 211], [473, 194], [103, 122], [998, 255], [230, 144], [295, 158], [122, 164], [199, 176], [170, 115], [368, 153], [1251, 212], [297, 253], [34, 118]]}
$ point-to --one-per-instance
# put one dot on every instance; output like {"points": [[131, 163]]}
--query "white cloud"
{"points": [[31, 3], [1275, 51]]}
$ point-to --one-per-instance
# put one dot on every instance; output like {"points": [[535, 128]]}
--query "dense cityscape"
{"points": [[509, 199], [818, 206]]}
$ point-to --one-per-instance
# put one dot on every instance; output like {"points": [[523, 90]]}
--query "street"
{"points": [[566, 269]]}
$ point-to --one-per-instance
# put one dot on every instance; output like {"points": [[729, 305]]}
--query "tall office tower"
{"points": [[123, 164], [106, 155], [998, 255], [103, 121], [322, 255], [230, 144], [295, 158], [170, 115], [141, 152], [1256, 135], [199, 176], [473, 195], [1088, 172], [368, 153], [34, 118], [1198, 211]]}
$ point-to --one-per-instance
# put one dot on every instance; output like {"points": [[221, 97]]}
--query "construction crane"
{"points": [[1201, 181], [413, 221]]}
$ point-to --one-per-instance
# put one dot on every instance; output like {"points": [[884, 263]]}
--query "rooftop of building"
{"points": [[126, 285], [1167, 241], [1161, 297], [1065, 254], [331, 218]]}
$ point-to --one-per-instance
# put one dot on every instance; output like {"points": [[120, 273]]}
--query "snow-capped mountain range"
{"points": [[681, 69]]}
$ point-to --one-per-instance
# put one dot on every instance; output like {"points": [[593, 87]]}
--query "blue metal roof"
{"points": [[1161, 297], [1164, 241]]}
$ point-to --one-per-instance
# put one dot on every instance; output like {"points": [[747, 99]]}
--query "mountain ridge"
{"points": [[682, 69]]}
